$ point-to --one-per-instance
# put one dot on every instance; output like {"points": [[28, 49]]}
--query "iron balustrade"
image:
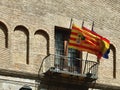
{"points": [[70, 65]]}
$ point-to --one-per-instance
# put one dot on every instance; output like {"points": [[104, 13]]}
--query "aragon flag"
{"points": [[84, 39]]}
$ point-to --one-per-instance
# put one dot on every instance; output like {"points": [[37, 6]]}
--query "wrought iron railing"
{"points": [[70, 65]]}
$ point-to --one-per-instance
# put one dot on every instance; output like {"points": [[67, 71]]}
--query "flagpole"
{"points": [[87, 52], [92, 26], [82, 27], [71, 23], [93, 31], [82, 23]]}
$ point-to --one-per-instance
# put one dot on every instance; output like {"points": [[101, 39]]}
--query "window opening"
{"points": [[65, 58]]}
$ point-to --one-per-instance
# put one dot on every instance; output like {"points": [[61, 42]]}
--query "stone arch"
{"points": [[113, 49], [22, 43], [45, 35], [3, 35]]}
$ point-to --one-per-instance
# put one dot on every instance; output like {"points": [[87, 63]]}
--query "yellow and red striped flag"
{"points": [[84, 39]]}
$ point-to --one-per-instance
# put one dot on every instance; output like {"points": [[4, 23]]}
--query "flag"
{"points": [[84, 39], [105, 43], [106, 54]]}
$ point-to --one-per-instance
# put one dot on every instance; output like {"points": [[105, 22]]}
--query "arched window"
{"points": [[42, 42], [3, 36], [21, 44]]}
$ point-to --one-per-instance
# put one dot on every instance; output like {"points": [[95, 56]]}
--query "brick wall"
{"points": [[36, 16]]}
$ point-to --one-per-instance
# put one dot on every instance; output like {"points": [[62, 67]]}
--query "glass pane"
{"points": [[73, 62], [59, 48], [72, 55]]}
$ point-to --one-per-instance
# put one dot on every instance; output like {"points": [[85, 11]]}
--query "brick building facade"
{"points": [[27, 36]]}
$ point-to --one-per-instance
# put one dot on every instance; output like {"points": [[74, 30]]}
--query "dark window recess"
{"points": [[61, 49], [25, 88]]}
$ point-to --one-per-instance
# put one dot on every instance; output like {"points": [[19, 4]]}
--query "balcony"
{"points": [[63, 69]]}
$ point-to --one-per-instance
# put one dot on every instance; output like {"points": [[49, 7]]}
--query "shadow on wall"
{"points": [[46, 36], [112, 47], [21, 32], [24, 42], [3, 35]]}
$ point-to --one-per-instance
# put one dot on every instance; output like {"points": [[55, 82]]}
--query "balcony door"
{"points": [[65, 58]]}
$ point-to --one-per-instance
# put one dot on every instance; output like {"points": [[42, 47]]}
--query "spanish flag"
{"points": [[84, 39]]}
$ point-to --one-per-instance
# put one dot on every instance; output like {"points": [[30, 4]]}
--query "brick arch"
{"points": [[3, 35], [112, 47], [46, 36], [23, 41]]}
